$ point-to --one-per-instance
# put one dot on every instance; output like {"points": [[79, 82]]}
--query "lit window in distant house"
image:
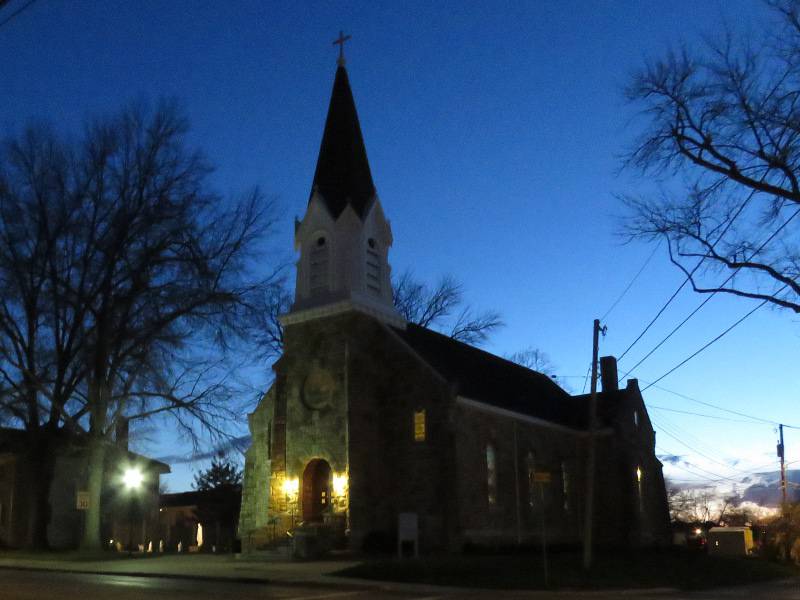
{"points": [[491, 474], [419, 425]]}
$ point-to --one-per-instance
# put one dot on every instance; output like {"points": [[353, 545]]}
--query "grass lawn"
{"points": [[668, 568]]}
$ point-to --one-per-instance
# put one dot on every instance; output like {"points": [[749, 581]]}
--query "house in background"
{"points": [[372, 421], [127, 516], [205, 519]]}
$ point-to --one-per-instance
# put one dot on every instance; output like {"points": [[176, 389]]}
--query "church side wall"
{"points": [[640, 483], [392, 471], [511, 507]]}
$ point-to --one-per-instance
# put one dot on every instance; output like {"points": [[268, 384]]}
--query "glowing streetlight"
{"points": [[132, 478]]}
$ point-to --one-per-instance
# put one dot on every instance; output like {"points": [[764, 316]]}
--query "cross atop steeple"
{"points": [[340, 42]]}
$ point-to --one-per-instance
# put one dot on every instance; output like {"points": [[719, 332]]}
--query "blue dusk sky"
{"points": [[494, 131]]}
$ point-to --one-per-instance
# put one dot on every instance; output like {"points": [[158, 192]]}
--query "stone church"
{"points": [[371, 417]]}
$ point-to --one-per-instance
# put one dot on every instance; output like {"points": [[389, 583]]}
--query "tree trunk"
{"points": [[41, 466], [96, 468]]}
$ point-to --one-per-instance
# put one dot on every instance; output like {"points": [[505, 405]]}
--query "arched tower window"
{"points": [[319, 260], [373, 267]]}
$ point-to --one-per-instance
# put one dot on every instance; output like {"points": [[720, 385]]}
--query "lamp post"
{"points": [[132, 479]]}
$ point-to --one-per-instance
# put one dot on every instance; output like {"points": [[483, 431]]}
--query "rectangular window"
{"points": [[491, 474], [319, 269], [530, 463], [565, 486], [419, 425], [373, 271]]}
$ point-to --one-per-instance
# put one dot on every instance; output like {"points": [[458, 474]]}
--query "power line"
{"points": [[632, 281], [709, 404], [704, 479], [698, 452], [688, 412], [752, 419], [689, 276], [714, 293], [720, 336], [716, 477], [16, 12], [586, 378]]}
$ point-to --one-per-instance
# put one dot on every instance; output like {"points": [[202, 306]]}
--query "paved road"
{"points": [[30, 585]]}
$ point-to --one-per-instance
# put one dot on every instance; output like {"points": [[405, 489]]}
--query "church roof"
{"points": [[492, 380], [343, 176]]}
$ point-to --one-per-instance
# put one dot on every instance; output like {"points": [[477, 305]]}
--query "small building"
{"points": [[371, 417], [203, 520], [730, 541], [125, 517]]}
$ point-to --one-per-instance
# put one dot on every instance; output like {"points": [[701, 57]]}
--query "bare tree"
{"points": [[442, 308], [41, 337], [439, 308], [265, 310], [533, 358], [723, 129], [691, 505], [144, 275]]}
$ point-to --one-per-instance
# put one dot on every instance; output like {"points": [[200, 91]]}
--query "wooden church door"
{"points": [[316, 489]]}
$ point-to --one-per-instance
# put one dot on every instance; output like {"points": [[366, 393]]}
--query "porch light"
{"points": [[340, 484], [291, 486]]}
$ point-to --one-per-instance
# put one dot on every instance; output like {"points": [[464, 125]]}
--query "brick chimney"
{"points": [[608, 374]]}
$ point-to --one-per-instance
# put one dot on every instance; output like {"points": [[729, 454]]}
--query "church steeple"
{"points": [[343, 176], [344, 237]]}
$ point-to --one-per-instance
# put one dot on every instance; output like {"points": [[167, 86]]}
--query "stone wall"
{"points": [[518, 505], [254, 514]]}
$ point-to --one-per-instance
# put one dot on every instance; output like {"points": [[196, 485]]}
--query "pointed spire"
{"points": [[343, 176]]}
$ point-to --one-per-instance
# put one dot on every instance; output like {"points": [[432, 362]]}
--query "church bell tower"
{"points": [[344, 237]]}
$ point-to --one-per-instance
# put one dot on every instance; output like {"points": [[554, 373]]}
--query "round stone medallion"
{"points": [[318, 389]]}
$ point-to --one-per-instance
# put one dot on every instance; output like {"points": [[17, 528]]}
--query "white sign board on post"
{"points": [[407, 533], [82, 500]]}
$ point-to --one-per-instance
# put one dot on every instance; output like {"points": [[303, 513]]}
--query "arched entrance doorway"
{"points": [[316, 489]]}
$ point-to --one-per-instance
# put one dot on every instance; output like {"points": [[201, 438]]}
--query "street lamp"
{"points": [[132, 479]]}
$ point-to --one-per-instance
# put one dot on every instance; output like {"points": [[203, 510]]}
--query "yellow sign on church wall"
{"points": [[419, 425]]}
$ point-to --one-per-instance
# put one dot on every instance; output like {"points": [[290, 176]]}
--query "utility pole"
{"points": [[588, 523], [781, 455]]}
